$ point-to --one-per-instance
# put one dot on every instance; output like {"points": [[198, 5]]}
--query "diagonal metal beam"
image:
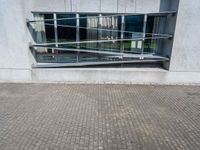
{"points": [[99, 41], [80, 64], [108, 53], [164, 13]]}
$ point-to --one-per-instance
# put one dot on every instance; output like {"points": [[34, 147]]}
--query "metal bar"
{"points": [[55, 29], [56, 65], [157, 30], [144, 32], [77, 34], [110, 53], [77, 30], [96, 41], [100, 31], [126, 14], [122, 33], [109, 30]]}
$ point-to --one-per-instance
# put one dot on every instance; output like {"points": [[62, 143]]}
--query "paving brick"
{"points": [[99, 117]]}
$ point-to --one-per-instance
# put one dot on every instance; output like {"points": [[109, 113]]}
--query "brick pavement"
{"points": [[99, 117]]}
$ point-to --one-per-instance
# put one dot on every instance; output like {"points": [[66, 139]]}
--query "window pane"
{"points": [[111, 27], [88, 30], [133, 24], [92, 33], [66, 28], [49, 28], [154, 26], [83, 25]]}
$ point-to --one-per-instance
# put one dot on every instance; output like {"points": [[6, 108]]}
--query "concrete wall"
{"points": [[15, 58], [114, 6], [186, 50], [115, 75]]}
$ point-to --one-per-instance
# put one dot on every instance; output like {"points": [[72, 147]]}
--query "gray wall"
{"points": [[121, 6], [186, 50], [15, 57], [13, 39]]}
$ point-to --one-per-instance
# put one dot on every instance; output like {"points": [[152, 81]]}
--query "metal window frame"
{"points": [[141, 56]]}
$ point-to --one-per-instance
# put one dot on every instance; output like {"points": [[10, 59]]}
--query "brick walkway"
{"points": [[110, 117]]}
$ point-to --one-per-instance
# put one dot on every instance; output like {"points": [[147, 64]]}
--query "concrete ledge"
{"points": [[15, 75], [115, 76], [100, 76]]}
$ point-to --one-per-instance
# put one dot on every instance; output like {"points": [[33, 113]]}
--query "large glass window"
{"points": [[96, 38]]}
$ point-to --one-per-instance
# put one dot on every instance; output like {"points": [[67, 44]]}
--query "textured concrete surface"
{"points": [[114, 75], [60, 116], [185, 50], [114, 6]]}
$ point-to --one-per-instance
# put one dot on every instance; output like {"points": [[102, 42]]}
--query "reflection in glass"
{"points": [[102, 33], [133, 24], [49, 28], [66, 28]]}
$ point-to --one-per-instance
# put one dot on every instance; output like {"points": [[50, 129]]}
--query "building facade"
{"points": [[100, 41]]}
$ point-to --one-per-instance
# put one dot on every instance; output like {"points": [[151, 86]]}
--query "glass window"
{"points": [[154, 26], [133, 24], [89, 30], [111, 27], [66, 28], [49, 28], [149, 44], [101, 33], [83, 25]]}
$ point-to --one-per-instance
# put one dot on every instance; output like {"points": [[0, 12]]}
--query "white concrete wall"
{"points": [[115, 75], [14, 38], [186, 48], [114, 6], [50, 5], [14, 42]]}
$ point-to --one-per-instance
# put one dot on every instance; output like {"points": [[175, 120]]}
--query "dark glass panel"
{"points": [[119, 24], [66, 28], [133, 23], [49, 28], [149, 44], [150, 24], [83, 24]]}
